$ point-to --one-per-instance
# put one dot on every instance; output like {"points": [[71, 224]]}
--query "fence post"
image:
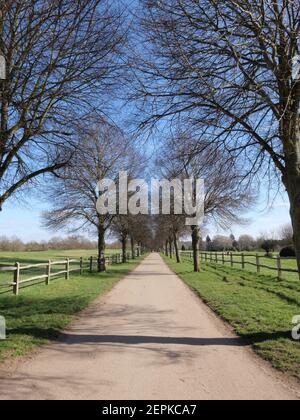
{"points": [[223, 258], [231, 259], [48, 273], [91, 264], [16, 279], [243, 261], [68, 269], [81, 266], [279, 268], [211, 257], [216, 257], [258, 263]]}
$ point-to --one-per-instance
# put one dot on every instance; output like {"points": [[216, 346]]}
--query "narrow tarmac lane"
{"points": [[149, 338]]}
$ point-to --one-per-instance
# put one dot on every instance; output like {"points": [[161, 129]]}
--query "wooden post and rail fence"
{"points": [[244, 260], [53, 270]]}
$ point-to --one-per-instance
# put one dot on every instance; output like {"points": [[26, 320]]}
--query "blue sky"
{"points": [[25, 222], [263, 219]]}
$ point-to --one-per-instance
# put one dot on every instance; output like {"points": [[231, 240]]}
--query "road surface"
{"points": [[149, 338]]}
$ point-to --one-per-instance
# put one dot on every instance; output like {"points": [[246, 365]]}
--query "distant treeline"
{"points": [[72, 242], [267, 242]]}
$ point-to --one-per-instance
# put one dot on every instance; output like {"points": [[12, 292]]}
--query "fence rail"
{"points": [[54, 270], [241, 259]]}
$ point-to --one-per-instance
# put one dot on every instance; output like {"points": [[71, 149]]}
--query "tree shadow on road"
{"points": [[71, 339]]}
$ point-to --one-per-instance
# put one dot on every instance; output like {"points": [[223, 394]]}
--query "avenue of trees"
{"points": [[226, 69], [225, 195], [102, 152], [216, 80]]}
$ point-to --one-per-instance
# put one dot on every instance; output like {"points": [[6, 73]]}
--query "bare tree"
{"points": [[227, 67], [168, 228], [144, 232], [121, 227], [103, 152], [140, 227], [177, 228], [225, 194], [246, 243], [287, 234], [161, 233], [221, 243], [61, 56]]}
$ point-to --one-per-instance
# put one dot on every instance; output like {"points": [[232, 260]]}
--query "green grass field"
{"points": [[38, 256], [25, 258], [40, 312], [270, 262], [259, 307]]}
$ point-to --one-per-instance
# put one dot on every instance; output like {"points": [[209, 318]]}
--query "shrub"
{"points": [[288, 251], [268, 245]]}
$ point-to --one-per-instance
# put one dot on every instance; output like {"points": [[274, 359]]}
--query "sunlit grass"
{"points": [[264, 261], [26, 258]]}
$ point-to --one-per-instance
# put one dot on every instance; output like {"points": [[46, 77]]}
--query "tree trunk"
{"points": [[170, 248], [141, 248], [167, 248], [195, 243], [124, 248], [176, 249], [293, 188], [101, 249], [132, 247], [295, 215]]}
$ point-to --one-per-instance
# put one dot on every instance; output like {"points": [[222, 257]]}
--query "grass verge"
{"points": [[259, 308], [39, 313]]}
